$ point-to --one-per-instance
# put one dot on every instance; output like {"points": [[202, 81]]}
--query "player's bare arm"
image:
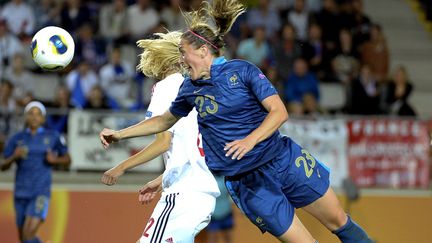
{"points": [[277, 115], [18, 154], [149, 191], [147, 127], [52, 158], [159, 146]]}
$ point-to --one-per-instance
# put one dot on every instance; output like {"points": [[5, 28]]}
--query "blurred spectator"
{"points": [[116, 79], [363, 94], [220, 228], [47, 13], [299, 18], [255, 50], [375, 53], [286, 49], [58, 117], [79, 82], [89, 48], [313, 6], [311, 106], [97, 99], [329, 20], [354, 19], [264, 15], [113, 25], [395, 94], [7, 102], [142, 18], [282, 6], [173, 16], [19, 17], [21, 78], [161, 27], [239, 31], [144, 87], [345, 64], [300, 83], [8, 111], [9, 46], [73, 15], [314, 50]]}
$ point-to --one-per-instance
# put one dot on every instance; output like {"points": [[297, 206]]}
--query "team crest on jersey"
{"points": [[233, 80], [46, 141]]}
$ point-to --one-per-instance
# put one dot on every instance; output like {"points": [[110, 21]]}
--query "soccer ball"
{"points": [[52, 48]]}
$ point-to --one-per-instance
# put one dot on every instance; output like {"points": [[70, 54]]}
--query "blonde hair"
{"points": [[221, 13], [160, 56]]}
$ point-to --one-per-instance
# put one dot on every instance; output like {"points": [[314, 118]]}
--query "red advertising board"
{"points": [[389, 153]]}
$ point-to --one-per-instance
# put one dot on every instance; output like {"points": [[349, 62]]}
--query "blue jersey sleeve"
{"points": [[60, 145], [180, 106], [258, 83], [10, 147]]}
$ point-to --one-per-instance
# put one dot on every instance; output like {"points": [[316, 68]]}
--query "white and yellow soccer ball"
{"points": [[52, 48]]}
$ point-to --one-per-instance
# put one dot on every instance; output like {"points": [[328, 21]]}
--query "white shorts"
{"points": [[178, 217]]}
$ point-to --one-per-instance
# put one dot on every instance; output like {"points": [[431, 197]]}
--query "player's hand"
{"points": [[5, 166], [238, 148], [149, 191], [51, 157], [108, 136], [111, 176], [20, 153]]}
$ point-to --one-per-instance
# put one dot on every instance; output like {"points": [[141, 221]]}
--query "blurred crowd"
{"points": [[300, 44]]}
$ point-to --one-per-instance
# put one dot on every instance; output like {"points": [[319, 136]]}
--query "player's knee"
{"points": [[341, 219], [338, 220]]}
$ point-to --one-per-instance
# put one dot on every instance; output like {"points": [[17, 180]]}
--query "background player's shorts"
{"points": [[224, 223], [179, 217], [34, 207], [269, 194]]}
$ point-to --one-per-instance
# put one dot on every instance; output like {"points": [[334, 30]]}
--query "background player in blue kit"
{"points": [[239, 112], [34, 150]]}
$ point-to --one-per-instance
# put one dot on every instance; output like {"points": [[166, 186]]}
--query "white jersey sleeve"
{"points": [[164, 93]]}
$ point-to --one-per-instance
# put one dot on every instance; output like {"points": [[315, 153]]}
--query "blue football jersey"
{"points": [[33, 173], [229, 108]]}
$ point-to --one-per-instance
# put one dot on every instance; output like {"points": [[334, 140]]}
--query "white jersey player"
{"points": [[189, 190]]}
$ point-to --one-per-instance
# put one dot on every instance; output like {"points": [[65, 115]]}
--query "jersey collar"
{"points": [[39, 130], [219, 60]]}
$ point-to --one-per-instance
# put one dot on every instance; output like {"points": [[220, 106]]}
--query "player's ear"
{"points": [[204, 51]]}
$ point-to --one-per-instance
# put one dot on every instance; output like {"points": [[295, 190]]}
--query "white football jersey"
{"points": [[185, 167]]}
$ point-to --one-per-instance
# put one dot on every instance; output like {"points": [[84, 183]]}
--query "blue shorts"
{"points": [[34, 207], [269, 194], [224, 223]]}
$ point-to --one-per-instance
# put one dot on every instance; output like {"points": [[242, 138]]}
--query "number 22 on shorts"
{"points": [[149, 225]]}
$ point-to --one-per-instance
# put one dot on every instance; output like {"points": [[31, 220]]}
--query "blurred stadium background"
{"points": [[355, 76]]}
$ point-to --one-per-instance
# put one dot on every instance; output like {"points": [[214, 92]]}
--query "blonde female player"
{"points": [[189, 190]]}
